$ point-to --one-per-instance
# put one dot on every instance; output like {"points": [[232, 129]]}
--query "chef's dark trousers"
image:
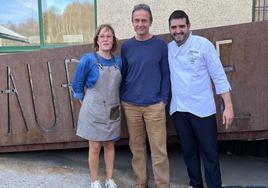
{"points": [[198, 138]]}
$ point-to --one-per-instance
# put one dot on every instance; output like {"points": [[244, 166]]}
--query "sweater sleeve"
{"points": [[80, 78], [124, 63], [165, 83], [123, 69]]}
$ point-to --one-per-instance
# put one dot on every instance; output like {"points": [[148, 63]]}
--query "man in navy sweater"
{"points": [[144, 93]]}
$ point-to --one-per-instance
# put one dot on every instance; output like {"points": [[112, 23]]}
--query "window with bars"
{"points": [[260, 10]]}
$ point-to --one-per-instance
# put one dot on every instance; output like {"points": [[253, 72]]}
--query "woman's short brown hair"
{"points": [[107, 27]]}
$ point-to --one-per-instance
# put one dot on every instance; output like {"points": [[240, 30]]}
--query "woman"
{"points": [[96, 83]]}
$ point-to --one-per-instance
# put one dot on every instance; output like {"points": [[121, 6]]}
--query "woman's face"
{"points": [[105, 40]]}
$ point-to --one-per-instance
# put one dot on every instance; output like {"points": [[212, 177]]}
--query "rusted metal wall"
{"points": [[38, 112], [245, 59], [35, 103]]}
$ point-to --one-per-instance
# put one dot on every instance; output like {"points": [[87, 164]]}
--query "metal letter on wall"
{"points": [[228, 68], [69, 86], [222, 42], [9, 91], [34, 98]]}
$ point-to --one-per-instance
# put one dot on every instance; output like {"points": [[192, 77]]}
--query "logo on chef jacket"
{"points": [[193, 55]]}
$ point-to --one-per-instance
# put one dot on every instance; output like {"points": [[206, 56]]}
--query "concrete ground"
{"points": [[69, 169]]}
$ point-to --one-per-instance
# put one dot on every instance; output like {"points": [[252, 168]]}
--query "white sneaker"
{"points": [[95, 184], [110, 184]]}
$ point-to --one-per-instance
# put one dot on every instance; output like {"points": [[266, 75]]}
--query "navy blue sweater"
{"points": [[145, 71]]}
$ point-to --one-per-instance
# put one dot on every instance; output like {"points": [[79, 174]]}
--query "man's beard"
{"points": [[184, 36]]}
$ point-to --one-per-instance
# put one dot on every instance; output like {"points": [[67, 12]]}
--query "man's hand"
{"points": [[228, 113], [228, 117]]}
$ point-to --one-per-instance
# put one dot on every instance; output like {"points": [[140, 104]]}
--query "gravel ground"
{"points": [[69, 169], [61, 169]]}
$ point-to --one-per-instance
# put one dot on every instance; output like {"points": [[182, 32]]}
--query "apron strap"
{"points": [[113, 61], [99, 63], [98, 60]]}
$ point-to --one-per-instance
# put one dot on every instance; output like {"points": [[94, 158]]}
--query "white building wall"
{"points": [[202, 13]]}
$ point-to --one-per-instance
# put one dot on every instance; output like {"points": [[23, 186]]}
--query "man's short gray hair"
{"points": [[142, 7]]}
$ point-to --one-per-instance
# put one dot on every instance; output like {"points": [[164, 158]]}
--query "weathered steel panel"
{"points": [[36, 107], [38, 112], [245, 57]]}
